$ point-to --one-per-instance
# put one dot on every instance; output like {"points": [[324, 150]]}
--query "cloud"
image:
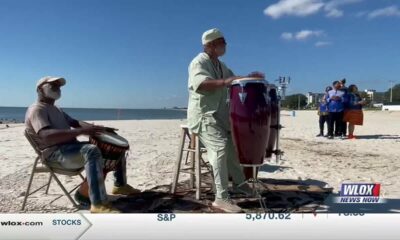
{"points": [[301, 35], [305, 34], [332, 7], [361, 14], [293, 8], [391, 11], [334, 13], [302, 8], [322, 44], [287, 36]]}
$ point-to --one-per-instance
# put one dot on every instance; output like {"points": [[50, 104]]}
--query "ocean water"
{"points": [[18, 114]]}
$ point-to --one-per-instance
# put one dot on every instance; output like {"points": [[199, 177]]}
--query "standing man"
{"points": [[335, 108], [344, 89], [55, 133], [323, 112], [208, 116]]}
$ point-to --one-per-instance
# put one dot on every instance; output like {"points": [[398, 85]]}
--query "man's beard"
{"points": [[49, 93], [220, 51]]}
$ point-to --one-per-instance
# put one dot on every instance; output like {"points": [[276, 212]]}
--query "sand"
{"points": [[372, 158]]}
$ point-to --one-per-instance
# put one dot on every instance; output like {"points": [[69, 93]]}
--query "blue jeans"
{"points": [[77, 155]]}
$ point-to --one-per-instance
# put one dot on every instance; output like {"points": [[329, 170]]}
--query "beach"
{"points": [[372, 158]]}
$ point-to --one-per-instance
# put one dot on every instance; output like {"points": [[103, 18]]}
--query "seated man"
{"points": [[55, 133]]}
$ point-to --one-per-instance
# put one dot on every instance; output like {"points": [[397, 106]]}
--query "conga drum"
{"points": [[113, 148], [250, 111], [273, 133]]}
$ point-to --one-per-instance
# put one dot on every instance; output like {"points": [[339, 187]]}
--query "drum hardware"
{"points": [[255, 183], [278, 152], [242, 95], [274, 126], [277, 126], [266, 97], [283, 84]]}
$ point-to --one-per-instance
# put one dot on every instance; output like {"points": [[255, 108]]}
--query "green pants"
{"points": [[222, 157]]}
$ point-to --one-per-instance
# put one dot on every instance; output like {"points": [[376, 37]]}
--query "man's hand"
{"points": [[86, 124], [229, 80], [214, 84], [91, 130]]}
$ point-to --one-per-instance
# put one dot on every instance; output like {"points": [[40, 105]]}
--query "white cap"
{"points": [[49, 79], [211, 35]]}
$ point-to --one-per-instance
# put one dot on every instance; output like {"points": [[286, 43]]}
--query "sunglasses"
{"points": [[220, 41], [54, 85]]}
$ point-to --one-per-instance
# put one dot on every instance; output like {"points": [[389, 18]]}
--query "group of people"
{"points": [[208, 116], [341, 108]]}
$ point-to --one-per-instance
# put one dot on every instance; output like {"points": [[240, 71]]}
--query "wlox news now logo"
{"points": [[360, 193]]}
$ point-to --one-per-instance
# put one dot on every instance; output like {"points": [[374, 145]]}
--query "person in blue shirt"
{"points": [[354, 114], [345, 90], [323, 112], [335, 103]]}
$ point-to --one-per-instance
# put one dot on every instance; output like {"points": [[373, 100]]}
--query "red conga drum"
{"points": [[250, 120], [273, 133]]}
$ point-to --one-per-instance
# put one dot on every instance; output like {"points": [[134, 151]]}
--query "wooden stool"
{"points": [[196, 161]]}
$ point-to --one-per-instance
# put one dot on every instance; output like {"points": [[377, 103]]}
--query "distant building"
{"points": [[370, 93], [313, 98]]}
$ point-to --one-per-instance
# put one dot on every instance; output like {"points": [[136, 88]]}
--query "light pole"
{"points": [[283, 83]]}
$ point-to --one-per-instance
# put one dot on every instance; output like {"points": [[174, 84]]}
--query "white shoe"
{"points": [[227, 205]]}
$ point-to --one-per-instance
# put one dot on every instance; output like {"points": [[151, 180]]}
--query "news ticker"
{"points": [[200, 226]]}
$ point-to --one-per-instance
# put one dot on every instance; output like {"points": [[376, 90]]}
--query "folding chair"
{"points": [[44, 168]]}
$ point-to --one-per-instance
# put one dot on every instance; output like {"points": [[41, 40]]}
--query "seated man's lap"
{"points": [[69, 156]]}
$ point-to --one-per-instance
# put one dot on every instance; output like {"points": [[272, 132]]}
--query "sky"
{"points": [[135, 54]]}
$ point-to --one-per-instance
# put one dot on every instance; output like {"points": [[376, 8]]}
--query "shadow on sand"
{"points": [[378, 136], [279, 196]]}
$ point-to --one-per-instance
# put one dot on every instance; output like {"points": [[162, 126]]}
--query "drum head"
{"points": [[113, 139]]}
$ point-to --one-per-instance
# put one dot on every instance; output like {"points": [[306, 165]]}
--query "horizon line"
{"points": [[109, 108]]}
